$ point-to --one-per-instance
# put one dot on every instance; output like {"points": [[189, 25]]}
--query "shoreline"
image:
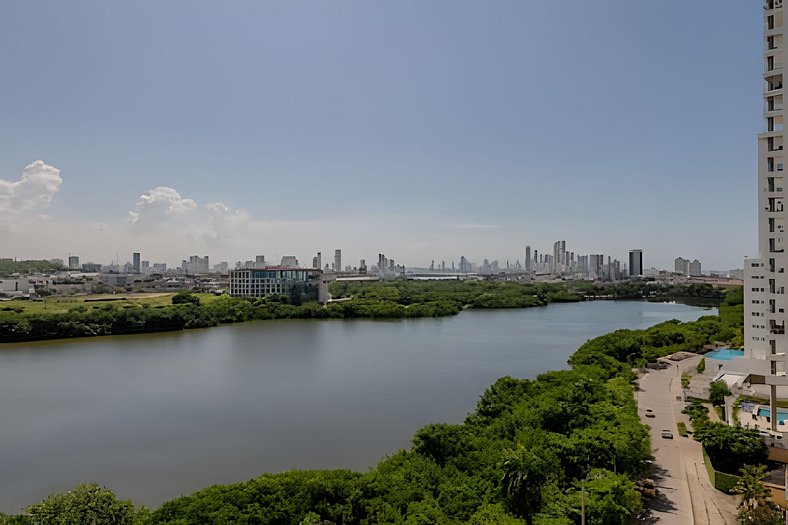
{"points": [[446, 314]]}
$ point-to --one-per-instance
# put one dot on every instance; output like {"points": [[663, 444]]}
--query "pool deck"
{"points": [[724, 354]]}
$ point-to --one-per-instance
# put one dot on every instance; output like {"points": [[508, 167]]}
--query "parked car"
{"points": [[650, 413], [667, 434]]}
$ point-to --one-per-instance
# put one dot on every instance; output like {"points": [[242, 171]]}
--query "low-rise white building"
{"points": [[15, 286]]}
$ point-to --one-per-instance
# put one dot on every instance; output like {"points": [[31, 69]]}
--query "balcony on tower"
{"points": [[772, 165], [774, 42], [774, 185], [776, 328], [769, 5], [774, 87], [773, 21], [772, 66], [774, 123], [775, 226]]}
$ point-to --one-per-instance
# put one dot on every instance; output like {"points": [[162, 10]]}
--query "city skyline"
{"points": [[168, 204], [469, 141]]}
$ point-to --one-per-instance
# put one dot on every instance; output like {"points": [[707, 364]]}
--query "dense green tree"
{"points": [[611, 499], [19, 519], [717, 392], [493, 514], [87, 503], [730, 448], [185, 298]]}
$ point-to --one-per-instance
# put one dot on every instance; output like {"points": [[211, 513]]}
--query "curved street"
{"points": [[684, 493]]}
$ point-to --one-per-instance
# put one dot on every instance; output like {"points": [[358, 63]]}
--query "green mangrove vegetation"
{"points": [[398, 299], [533, 451]]}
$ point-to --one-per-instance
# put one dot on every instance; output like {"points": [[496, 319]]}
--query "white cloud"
{"points": [[33, 191], [169, 222], [160, 203]]}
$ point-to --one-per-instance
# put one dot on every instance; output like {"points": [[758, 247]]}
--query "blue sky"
{"points": [[424, 130]]}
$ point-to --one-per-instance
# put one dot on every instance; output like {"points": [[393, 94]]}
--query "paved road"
{"points": [[685, 495]]}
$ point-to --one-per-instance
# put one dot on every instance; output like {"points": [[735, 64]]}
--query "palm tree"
{"points": [[524, 475]]}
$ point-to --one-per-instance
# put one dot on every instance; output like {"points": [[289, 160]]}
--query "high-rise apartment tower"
{"points": [[765, 278], [635, 263]]}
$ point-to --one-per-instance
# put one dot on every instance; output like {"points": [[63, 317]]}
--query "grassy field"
{"points": [[64, 304]]}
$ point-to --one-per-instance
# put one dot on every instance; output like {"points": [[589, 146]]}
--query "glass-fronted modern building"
{"points": [[280, 280]]}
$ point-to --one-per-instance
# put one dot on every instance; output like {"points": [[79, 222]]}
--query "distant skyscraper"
{"points": [[196, 265], [73, 262], [693, 268], [681, 265], [559, 257], [527, 258], [562, 257], [289, 261], [596, 263], [635, 263], [259, 261], [319, 260], [135, 263], [338, 260]]}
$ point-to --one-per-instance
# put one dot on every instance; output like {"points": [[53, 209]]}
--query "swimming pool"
{"points": [[782, 414], [725, 354]]}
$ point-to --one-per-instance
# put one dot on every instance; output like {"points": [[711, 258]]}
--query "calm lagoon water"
{"points": [[156, 416]]}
